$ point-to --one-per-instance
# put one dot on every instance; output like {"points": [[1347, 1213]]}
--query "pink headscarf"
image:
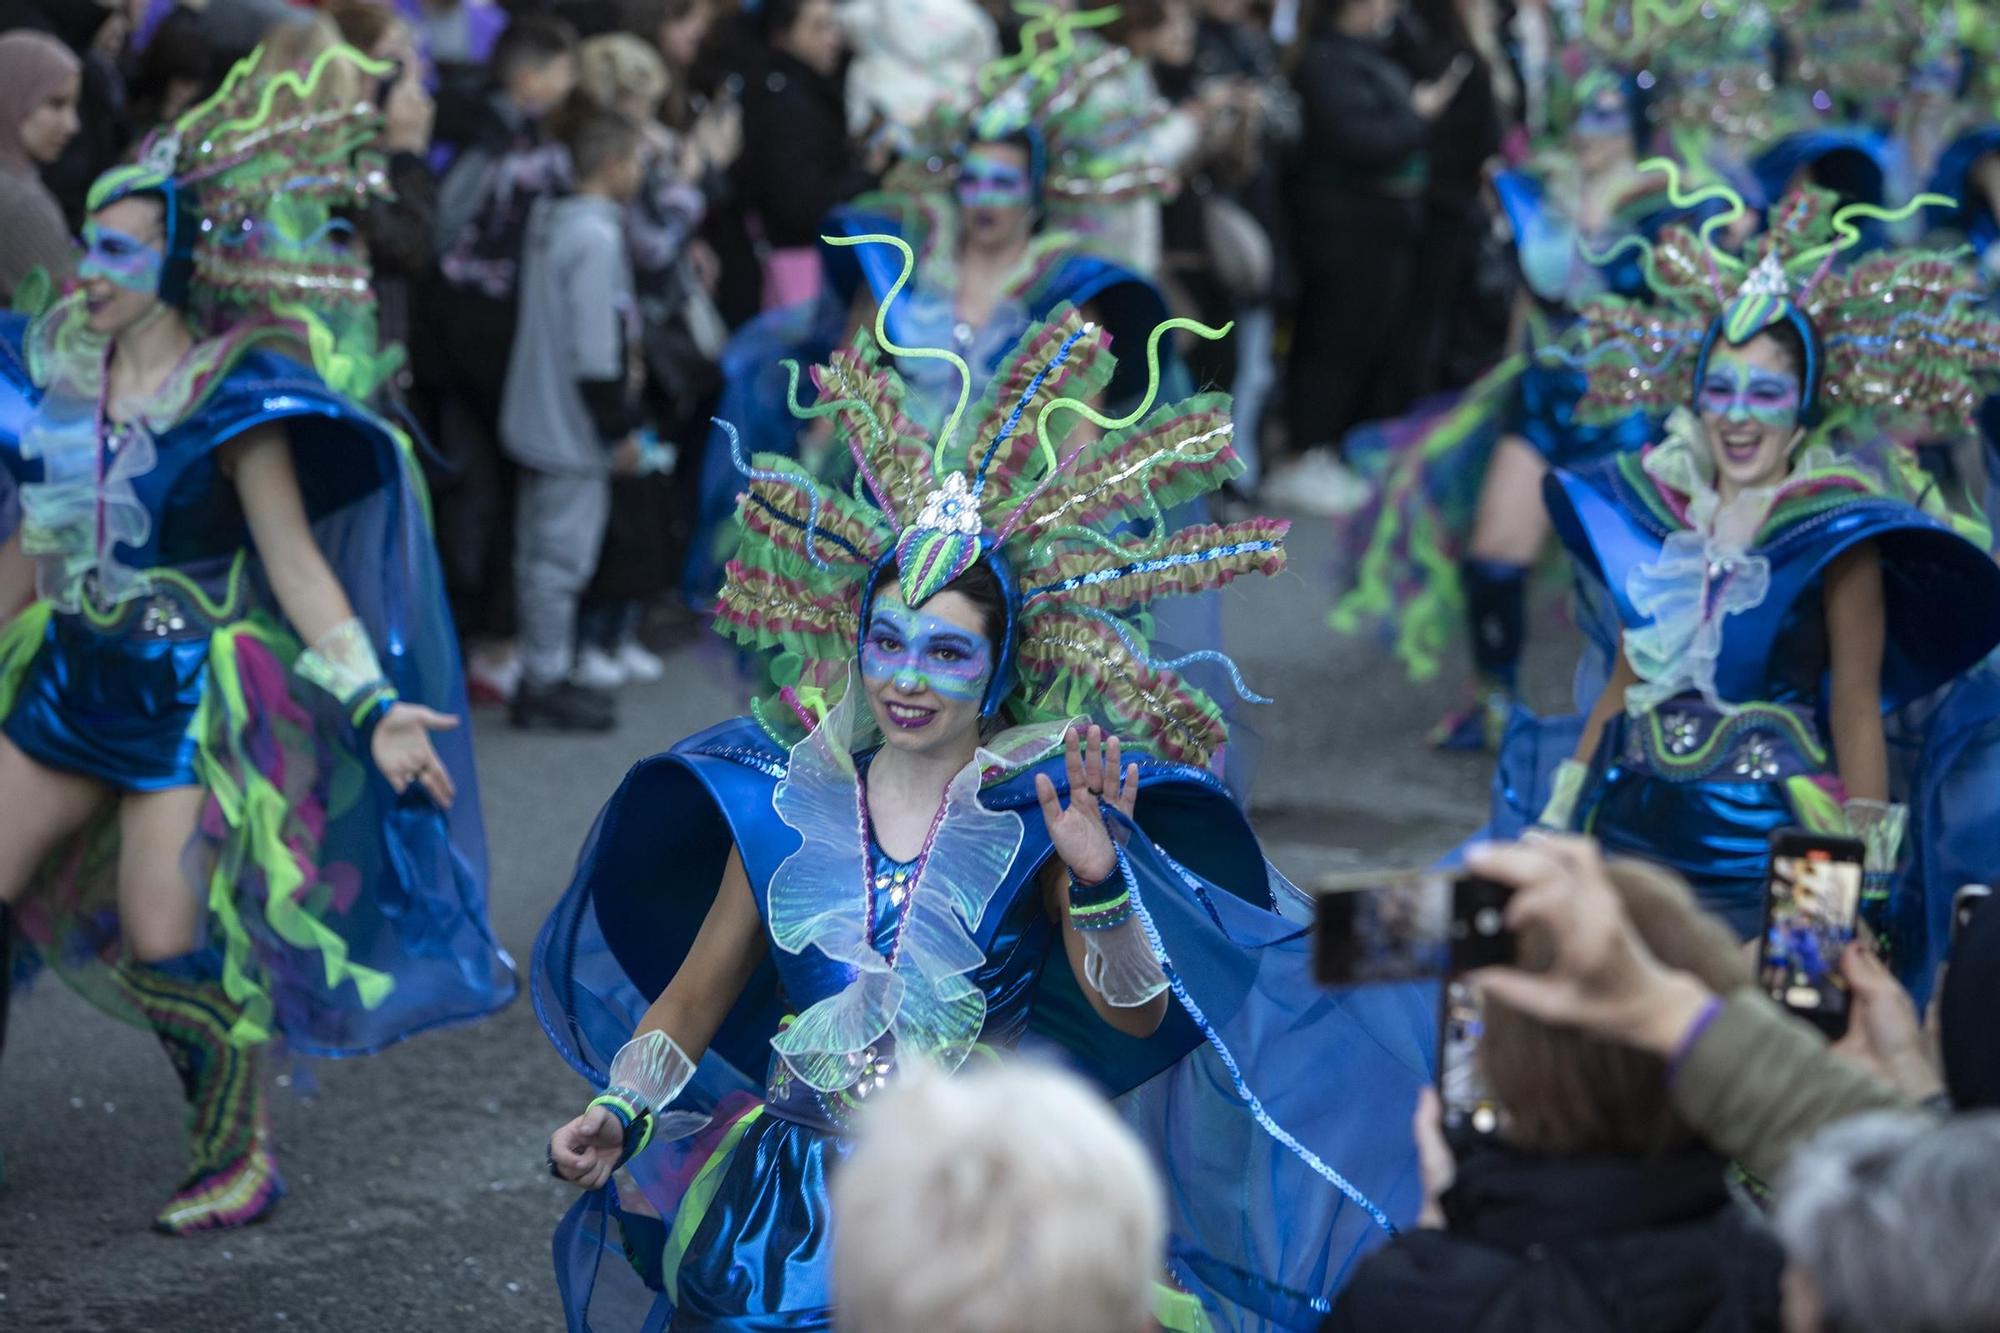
{"points": [[33, 65]]}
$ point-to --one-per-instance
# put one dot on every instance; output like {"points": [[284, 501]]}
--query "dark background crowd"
{"points": [[1331, 205]]}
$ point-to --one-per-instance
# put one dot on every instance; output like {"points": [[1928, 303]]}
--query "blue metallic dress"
{"points": [[1056, 271], [1278, 1110], [1735, 639], [157, 658]]}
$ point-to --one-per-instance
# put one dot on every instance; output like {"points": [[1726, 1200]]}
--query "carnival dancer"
{"points": [[234, 806], [918, 854], [1775, 572], [1000, 201], [1459, 522]]}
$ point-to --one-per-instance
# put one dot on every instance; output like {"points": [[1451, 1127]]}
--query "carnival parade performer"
{"points": [[235, 810], [1775, 572], [930, 848], [1000, 200], [1458, 524]]}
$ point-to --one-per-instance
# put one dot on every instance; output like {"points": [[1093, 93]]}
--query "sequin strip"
{"points": [[1243, 692], [744, 466], [1006, 430], [1250, 1099], [1151, 566]]}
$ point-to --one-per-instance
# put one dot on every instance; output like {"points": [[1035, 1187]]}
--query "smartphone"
{"points": [[1471, 1113], [1965, 904], [1417, 925], [1812, 903]]}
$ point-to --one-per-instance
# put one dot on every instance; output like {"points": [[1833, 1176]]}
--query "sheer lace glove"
{"points": [[1880, 826], [343, 663], [646, 1075], [1563, 793], [1118, 959]]}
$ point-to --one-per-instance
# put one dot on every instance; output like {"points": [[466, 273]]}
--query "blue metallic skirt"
{"points": [[116, 702], [1701, 792]]}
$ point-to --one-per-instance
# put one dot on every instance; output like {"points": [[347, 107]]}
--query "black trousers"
{"points": [[1349, 352]]}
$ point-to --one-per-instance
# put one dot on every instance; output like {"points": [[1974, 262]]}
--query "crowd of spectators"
{"points": [[590, 194], [1326, 158]]}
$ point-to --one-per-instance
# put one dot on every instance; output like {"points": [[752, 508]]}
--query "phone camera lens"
{"points": [[1488, 921]]}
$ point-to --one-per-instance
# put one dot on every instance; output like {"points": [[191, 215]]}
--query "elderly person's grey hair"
{"points": [[1006, 1200], [1892, 1224]]}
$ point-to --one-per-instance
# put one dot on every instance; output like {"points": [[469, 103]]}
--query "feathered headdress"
{"points": [[1019, 480], [1897, 337], [252, 179], [1071, 95]]}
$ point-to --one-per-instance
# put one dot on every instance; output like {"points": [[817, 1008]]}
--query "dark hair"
{"points": [[531, 40], [775, 18], [362, 23], [978, 585], [1135, 17], [596, 138], [645, 18]]}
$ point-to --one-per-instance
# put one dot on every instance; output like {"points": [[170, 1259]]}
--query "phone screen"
{"points": [[1965, 904], [1382, 928], [1416, 925], [1470, 1112], [1811, 904]]}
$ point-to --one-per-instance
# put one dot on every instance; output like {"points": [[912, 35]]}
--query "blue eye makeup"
{"points": [[921, 652], [122, 260], [983, 182], [1738, 391]]}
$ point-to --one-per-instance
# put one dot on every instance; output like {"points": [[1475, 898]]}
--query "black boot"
{"points": [[562, 707]]}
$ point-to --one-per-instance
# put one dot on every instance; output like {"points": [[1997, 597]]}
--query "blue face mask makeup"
{"points": [[916, 652], [1737, 391], [121, 260], [986, 182]]}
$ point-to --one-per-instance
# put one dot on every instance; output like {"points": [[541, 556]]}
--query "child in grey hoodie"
{"points": [[566, 416]]}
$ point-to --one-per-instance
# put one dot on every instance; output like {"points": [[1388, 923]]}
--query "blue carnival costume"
{"points": [[1277, 1110], [339, 917], [1719, 607], [1082, 159]]}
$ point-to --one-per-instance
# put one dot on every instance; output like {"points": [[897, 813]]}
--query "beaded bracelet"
{"points": [[628, 1111], [1099, 906]]}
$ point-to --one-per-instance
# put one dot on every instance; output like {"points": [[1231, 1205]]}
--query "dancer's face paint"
{"points": [[123, 263], [120, 259], [996, 195], [925, 671], [1749, 399]]}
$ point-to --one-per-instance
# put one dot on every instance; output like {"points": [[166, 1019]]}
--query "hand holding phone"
{"points": [[1812, 908]]}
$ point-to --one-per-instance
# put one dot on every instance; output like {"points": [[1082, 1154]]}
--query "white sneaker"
{"points": [[1319, 483], [596, 669], [639, 664]]}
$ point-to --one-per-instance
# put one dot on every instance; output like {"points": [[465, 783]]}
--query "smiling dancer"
{"points": [[211, 784], [918, 853], [1777, 572]]}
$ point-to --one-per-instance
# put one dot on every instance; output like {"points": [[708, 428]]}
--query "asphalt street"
{"points": [[418, 1196]]}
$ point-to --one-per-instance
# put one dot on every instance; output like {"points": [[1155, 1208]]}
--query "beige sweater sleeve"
{"points": [[1757, 1082], [32, 235]]}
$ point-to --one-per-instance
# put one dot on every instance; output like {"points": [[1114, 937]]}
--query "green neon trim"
{"points": [[369, 698], [20, 640], [228, 609], [1179, 1311], [1814, 807], [1752, 717], [695, 1203], [258, 814]]}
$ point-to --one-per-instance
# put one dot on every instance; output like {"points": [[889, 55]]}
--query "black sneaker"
{"points": [[562, 707]]}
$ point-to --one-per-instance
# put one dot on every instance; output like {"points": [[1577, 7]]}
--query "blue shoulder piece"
{"points": [[1953, 178], [1605, 534], [1850, 162], [18, 394]]}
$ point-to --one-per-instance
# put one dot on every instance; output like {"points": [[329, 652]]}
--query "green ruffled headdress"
{"points": [[1031, 479]]}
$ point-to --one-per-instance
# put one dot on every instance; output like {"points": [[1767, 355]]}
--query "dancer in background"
{"points": [[234, 806], [928, 847], [1775, 572]]}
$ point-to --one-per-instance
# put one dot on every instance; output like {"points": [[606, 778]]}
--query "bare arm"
{"points": [[1608, 706], [260, 463], [311, 597], [728, 948], [1855, 632], [17, 579], [1140, 1020]]}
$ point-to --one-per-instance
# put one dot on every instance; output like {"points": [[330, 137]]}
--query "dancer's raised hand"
{"points": [[1077, 830]]}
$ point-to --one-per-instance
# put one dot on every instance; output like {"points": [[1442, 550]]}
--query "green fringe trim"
{"points": [[257, 813], [1411, 546]]}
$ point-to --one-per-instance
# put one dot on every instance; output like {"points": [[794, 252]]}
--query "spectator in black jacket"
{"points": [[1598, 1208], [1356, 193], [797, 161]]}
